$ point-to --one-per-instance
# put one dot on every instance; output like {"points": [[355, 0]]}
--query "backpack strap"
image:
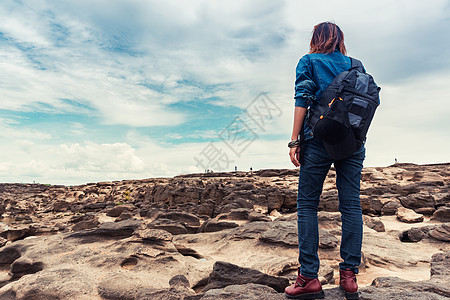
{"points": [[357, 64]]}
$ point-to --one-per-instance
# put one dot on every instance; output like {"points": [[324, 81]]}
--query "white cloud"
{"points": [[126, 62], [8, 131]]}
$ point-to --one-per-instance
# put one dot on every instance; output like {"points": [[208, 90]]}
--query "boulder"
{"points": [[86, 223], [117, 210], [440, 265], [121, 229], [390, 208], [396, 288], [248, 291], [441, 232], [415, 234], [168, 225], [256, 216], [408, 215], [371, 205], [23, 266], [442, 214], [282, 233], [16, 232], [327, 240], [374, 223], [187, 219], [418, 200], [225, 274], [214, 225], [235, 214], [125, 215]]}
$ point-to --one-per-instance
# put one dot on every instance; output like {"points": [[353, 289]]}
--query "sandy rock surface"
{"points": [[219, 236]]}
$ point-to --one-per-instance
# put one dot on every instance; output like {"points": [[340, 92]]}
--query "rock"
{"points": [[181, 217], [408, 215], [157, 236], [329, 201], [396, 288], [235, 214], [326, 274], [250, 230], [258, 217], [390, 208], [441, 233], [16, 232], [246, 291], [440, 265], [275, 200], [93, 206], [186, 251], [125, 215], [275, 213], [213, 225], [428, 211], [442, 214], [59, 283], [271, 172], [119, 286], [168, 225], [10, 253], [281, 232], [121, 229], [3, 242], [326, 239], [442, 199], [417, 200], [374, 223], [86, 223], [117, 210], [371, 205], [225, 274], [329, 220], [415, 234], [23, 266], [164, 294], [60, 205], [179, 282]]}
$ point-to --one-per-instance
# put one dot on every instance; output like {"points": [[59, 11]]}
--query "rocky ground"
{"points": [[219, 236]]}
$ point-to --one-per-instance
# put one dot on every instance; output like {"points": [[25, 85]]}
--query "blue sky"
{"points": [[108, 90]]}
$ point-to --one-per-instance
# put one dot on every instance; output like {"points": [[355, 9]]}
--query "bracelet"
{"points": [[294, 144]]}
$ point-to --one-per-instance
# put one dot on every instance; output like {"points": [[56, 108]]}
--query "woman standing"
{"points": [[315, 71]]}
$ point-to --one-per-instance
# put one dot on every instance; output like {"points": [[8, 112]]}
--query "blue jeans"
{"points": [[312, 175]]}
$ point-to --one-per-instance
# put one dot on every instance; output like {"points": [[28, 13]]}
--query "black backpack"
{"points": [[347, 105]]}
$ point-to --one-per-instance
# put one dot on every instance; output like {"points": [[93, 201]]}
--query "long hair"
{"points": [[326, 38]]}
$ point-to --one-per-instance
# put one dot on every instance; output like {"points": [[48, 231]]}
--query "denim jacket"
{"points": [[314, 73]]}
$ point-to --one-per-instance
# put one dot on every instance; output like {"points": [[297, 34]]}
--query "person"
{"points": [[315, 71]]}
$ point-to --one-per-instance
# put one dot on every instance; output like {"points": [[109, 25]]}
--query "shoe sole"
{"points": [[349, 296], [319, 295]]}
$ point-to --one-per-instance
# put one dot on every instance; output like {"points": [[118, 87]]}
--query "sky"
{"points": [[104, 90]]}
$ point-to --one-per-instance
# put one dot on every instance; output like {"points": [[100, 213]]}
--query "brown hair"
{"points": [[326, 38]]}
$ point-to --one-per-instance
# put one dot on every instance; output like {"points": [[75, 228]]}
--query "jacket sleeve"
{"points": [[304, 85]]}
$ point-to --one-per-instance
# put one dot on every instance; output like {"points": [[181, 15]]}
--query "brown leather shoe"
{"points": [[347, 283], [305, 288]]}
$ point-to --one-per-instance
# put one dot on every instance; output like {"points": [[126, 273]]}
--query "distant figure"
{"points": [[315, 71], [396, 161], [235, 168], [251, 169]]}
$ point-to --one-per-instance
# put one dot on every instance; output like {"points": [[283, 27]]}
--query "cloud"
{"points": [[9, 131], [149, 84]]}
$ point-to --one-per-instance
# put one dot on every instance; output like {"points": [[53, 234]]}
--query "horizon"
{"points": [[98, 91], [209, 174]]}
